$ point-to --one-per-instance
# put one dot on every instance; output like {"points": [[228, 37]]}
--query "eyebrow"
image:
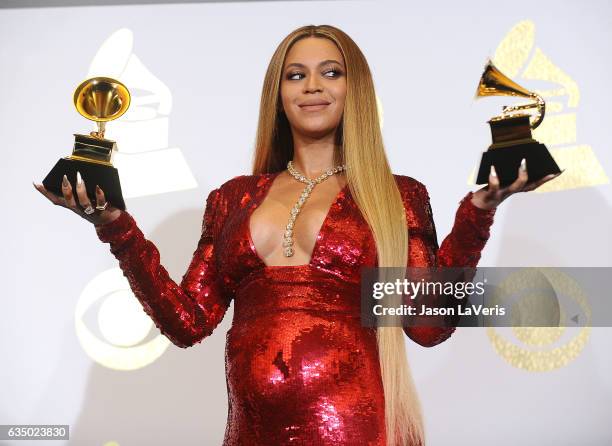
{"points": [[322, 63]]}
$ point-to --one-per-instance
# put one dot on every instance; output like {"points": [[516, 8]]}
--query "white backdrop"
{"points": [[75, 351]]}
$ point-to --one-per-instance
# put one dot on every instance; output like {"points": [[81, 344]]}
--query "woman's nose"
{"points": [[312, 84]]}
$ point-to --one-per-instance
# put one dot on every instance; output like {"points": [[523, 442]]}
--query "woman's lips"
{"points": [[313, 107]]}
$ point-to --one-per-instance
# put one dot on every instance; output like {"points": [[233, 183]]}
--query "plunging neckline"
{"points": [[261, 196]]}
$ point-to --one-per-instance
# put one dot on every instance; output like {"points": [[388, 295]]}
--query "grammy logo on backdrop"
{"points": [[99, 99], [518, 57]]}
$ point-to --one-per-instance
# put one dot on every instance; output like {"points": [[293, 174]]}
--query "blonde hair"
{"points": [[369, 177]]}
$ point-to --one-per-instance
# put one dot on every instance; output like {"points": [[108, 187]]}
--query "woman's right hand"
{"points": [[78, 205]]}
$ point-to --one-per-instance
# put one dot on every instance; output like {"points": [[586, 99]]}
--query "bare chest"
{"points": [[268, 221]]}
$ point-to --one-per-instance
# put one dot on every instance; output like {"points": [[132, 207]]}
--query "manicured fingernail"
{"points": [[79, 179], [493, 172], [65, 182], [98, 190], [523, 164]]}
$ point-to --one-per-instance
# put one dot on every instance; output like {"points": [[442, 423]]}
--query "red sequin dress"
{"points": [[300, 368]]}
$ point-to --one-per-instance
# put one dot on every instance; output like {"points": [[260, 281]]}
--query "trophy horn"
{"points": [[495, 83], [101, 99]]}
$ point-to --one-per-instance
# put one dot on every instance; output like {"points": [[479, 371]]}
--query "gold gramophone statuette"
{"points": [[511, 132], [99, 99]]}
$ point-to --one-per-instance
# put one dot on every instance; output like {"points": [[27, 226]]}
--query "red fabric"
{"points": [[300, 367]]}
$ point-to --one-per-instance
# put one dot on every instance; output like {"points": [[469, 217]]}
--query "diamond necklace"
{"points": [[288, 237]]}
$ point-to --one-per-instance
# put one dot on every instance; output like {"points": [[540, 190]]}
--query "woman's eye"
{"points": [[291, 76]]}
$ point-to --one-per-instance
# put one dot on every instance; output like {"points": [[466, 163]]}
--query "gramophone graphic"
{"points": [[518, 57], [511, 132], [100, 99]]}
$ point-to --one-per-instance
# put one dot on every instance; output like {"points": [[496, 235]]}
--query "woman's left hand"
{"points": [[490, 196]]}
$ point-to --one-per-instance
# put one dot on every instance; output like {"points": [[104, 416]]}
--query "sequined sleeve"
{"points": [[462, 247], [187, 312]]}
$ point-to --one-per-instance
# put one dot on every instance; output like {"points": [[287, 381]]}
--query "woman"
{"points": [[300, 367]]}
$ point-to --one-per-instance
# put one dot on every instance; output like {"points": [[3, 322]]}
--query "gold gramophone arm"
{"points": [[101, 129], [541, 110], [539, 103]]}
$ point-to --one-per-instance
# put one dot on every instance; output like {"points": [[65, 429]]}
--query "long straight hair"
{"points": [[376, 194]]}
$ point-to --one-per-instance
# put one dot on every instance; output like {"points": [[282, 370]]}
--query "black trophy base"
{"points": [[507, 160], [107, 177]]}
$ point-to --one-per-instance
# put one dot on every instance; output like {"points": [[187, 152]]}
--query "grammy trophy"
{"points": [[99, 99], [511, 132]]}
